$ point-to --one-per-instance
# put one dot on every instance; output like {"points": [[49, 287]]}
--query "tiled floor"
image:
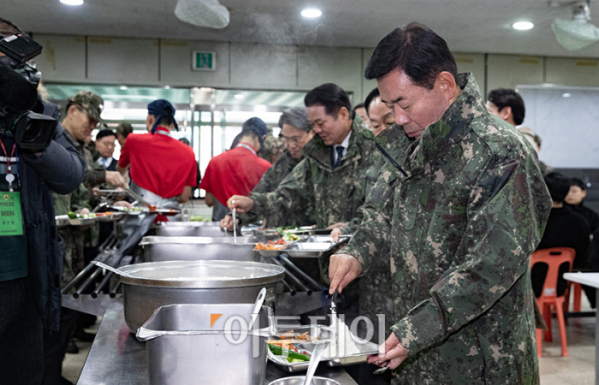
{"points": [[576, 369]]}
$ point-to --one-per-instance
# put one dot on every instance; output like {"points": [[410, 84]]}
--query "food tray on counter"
{"points": [[307, 249], [65, 220], [366, 349]]}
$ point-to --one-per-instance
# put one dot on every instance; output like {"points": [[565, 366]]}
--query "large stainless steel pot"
{"points": [[158, 249], [186, 345], [147, 286], [190, 229]]}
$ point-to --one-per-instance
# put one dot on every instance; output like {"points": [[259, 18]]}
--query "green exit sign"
{"points": [[203, 61]]}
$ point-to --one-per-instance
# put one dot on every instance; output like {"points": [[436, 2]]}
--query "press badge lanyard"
{"points": [[9, 175]]}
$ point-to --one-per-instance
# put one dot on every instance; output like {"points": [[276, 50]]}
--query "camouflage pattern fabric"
{"points": [[75, 239], [270, 147], [90, 102], [469, 207], [372, 300], [336, 194], [269, 182]]}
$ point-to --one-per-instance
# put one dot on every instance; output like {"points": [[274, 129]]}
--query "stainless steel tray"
{"points": [[365, 350], [64, 220]]}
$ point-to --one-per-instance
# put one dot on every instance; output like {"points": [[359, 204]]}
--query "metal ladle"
{"points": [[112, 269], [234, 222], [314, 360], [257, 306]]}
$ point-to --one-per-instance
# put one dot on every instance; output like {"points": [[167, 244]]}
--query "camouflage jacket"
{"points": [[468, 208], [95, 174], [335, 194], [269, 182]]}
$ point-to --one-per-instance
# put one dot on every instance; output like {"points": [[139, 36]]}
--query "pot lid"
{"points": [[201, 274]]}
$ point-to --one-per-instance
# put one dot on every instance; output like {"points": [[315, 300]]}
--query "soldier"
{"points": [[331, 177], [82, 116], [296, 131], [468, 208]]}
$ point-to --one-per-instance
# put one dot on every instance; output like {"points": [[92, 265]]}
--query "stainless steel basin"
{"points": [[158, 249], [190, 229], [148, 286], [187, 345]]}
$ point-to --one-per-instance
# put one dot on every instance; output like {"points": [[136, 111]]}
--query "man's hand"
{"points": [[227, 223], [343, 269], [115, 179], [335, 234], [392, 351], [243, 204]]}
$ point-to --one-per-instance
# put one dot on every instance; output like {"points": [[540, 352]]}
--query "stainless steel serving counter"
{"points": [[117, 358]]}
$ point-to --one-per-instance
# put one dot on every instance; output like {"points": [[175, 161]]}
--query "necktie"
{"points": [[339, 155]]}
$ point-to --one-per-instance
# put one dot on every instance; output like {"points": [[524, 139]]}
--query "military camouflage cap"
{"points": [[90, 102]]}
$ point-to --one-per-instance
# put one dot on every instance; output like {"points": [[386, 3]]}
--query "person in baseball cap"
{"points": [[83, 114]]}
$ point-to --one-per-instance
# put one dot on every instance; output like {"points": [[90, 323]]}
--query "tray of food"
{"points": [[74, 219], [271, 248], [292, 350], [313, 249]]}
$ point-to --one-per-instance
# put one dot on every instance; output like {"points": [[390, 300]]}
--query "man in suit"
{"points": [[105, 146]]}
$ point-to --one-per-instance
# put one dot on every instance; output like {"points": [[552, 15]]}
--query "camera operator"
{"points": [[35, 159]]}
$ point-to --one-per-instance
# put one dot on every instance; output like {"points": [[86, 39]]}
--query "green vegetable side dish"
{"points": [[198, 218], [282, 229], [72, 215], [291, 355], [290, 237]]}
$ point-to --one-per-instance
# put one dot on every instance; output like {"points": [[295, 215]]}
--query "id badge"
{"points": [[11, 218]]}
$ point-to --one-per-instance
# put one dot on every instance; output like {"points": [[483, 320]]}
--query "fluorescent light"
{"points": [[239, 96], [123, 88], [523, 25], [311, 13], [566, 95], [167, 87], [72, 2]]}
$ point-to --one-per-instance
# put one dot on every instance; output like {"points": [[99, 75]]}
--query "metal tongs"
{"points": [[138, 198]]}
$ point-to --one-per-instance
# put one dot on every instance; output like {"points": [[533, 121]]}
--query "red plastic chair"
{"points": [[553, 257]]}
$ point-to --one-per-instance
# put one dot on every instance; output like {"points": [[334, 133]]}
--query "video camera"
{"points": [[18, 94]]}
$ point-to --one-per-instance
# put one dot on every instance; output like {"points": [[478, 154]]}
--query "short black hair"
{"points": [[331, 97], [558, 186], [359, 105], [505, 97], [104, 133], [578, 182], [124, 129], [8, 28], [417, 51], [371, 96]]}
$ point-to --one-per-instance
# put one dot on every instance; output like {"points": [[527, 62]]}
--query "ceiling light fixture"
{"points": [[239, 96], [72, 2], [167, 87], [523, 25], [311, 13], [123, 88]]}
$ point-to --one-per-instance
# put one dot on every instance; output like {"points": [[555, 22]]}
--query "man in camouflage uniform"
{"points": [[273, 148], [468, 208], [296, 131], [82, 116], [333, 185]]}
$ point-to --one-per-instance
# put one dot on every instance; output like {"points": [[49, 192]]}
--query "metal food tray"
{"points": [[64, 220], [366, 349], [272, 253], [309, 249]]}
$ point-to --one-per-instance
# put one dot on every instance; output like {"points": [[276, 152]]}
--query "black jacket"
{"points": [[58, 169], [591, 217]]}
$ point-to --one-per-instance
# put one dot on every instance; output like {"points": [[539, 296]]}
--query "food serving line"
{"points": [[193, 266]]}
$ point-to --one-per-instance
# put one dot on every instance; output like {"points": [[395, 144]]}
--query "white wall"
{"points": [[78, 59], [569, 140]]}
